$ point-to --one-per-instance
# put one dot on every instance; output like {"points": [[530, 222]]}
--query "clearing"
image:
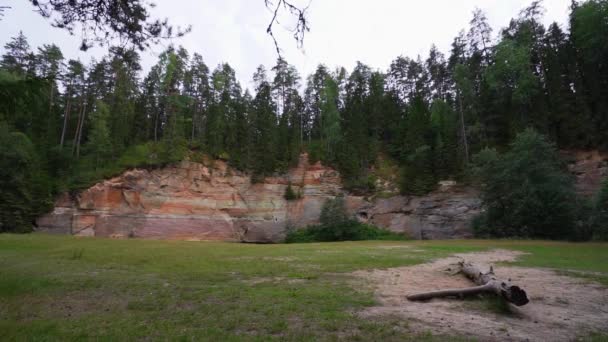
{"points": [[64, 288], [561, 307]]}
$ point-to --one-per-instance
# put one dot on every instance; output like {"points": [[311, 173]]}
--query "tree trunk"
{"points": [[77, 127], [78, 143], [487, 283], [66, 116], [463, 130], [194, 116], [156, 126], [79, 139]]}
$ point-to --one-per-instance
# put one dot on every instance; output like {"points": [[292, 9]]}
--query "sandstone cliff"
{"points": [[193, 201]]}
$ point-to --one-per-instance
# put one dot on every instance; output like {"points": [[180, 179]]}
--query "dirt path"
{"points": [[561, 308]]}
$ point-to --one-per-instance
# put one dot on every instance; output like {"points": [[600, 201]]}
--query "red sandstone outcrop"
{"points": [[191, 201], [194, 201]]}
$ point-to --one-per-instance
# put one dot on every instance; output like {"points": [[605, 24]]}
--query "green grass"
{"points": [[64, 288]]}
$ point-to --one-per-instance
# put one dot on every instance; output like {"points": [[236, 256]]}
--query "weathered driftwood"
{"points": [[487, 283]]}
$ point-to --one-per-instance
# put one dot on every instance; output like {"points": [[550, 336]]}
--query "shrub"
{"points": [[334, 212], [584, 228], [345, 231], [337, 226], [600, 231], [290, 194], [526, 192]]}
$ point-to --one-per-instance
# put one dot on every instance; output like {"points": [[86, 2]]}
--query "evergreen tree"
{"points": [[263, 127], [22, 193], [99, 145], [74, 96], [419, 176], [18, 57], [312, 98], [330, 119], [526, 191], [445, 139], [356, 163], [124, 66], [589, 34], [197, 87]]}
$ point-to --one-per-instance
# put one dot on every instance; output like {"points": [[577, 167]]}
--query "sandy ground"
{"points": [[561, 308]]}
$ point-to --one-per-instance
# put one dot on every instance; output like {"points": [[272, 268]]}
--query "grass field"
{"points": [[64, 288]]}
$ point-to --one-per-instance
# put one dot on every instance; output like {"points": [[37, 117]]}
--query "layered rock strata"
{"points": [[195, 201]]}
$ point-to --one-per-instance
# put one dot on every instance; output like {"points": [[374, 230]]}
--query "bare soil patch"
{"points": [[561, 308]]}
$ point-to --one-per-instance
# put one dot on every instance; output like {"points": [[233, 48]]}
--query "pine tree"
{"points": [[263, 127], [330, 119], [196, 86], [17, 162], [419, 176], [99, 145], [589, 35], [18, 57], [124, 66], [445, 139]]}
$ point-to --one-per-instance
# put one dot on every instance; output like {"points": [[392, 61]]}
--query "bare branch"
{"points": [[299, 31], [2, 9]]}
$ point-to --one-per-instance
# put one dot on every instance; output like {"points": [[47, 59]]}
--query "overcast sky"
{"points": [[342, 31]]}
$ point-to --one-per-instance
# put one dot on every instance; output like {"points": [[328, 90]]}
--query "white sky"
{"points": [[342, 31]]}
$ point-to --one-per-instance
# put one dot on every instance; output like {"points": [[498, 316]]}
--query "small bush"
{"points": [[334, 212], [345, 231], [600, 217], [290, 194], [336, 225], [315, 151]]}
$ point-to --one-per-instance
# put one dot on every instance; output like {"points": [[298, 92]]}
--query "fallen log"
{"points": [[486, 283]]}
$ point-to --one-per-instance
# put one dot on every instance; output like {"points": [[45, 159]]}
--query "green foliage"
{"points": [[315, 151], [330, 117], [418, 177], [334, 212], [526, 192], [589, 37], [445, 142], [99, 146], [290, 194], [345, 231], [336, 225], [149, 155], [264, 133], [22, 185], [601, 213]]}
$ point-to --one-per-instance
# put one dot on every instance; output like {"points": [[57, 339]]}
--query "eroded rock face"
{"points": [[193, 201], [444, 214]]}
